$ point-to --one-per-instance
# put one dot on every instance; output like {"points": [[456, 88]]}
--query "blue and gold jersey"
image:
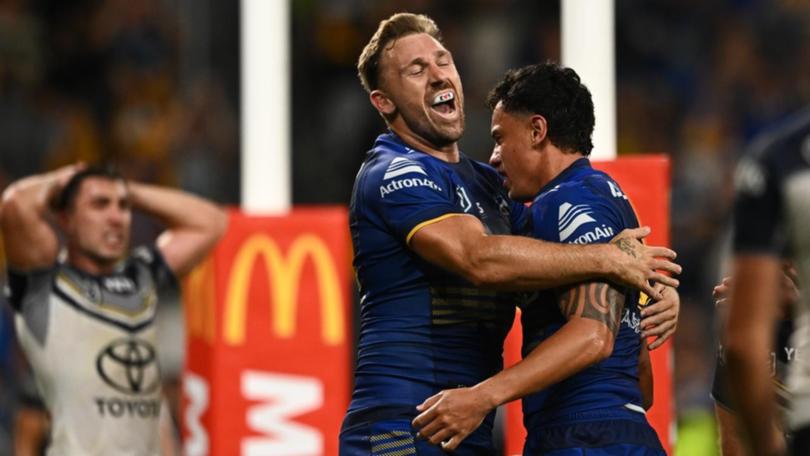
{"points": [[582, 206], [422, 328]]}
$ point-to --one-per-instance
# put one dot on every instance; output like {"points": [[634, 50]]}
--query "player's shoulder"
{"points": [[775, 154], [390, 158], [782, 145], [149, 259], [591, 187], [581, 208], [144, 254], [485, 170]]}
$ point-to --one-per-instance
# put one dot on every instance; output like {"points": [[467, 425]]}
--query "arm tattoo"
{"points": [[627, 246], [595, 300]]}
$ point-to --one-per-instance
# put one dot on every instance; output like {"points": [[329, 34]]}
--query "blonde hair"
{"points": [[390, 30]]}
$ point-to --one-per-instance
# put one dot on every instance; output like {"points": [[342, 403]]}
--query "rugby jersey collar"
{"points": [[392, 141], [579, 164]]}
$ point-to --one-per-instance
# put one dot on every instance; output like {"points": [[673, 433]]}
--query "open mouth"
{"points": [[444, 102], [113, 238]]}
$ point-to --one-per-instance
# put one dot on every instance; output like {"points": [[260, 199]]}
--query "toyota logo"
{"points": [[129, 366]]}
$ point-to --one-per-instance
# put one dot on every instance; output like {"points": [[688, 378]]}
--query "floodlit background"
{"points": [[154, 86]]}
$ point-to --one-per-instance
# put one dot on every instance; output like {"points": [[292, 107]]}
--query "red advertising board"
{"points": [[268, 320], [645, 180]]}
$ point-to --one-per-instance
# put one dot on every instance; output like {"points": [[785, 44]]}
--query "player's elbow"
{"points": [[10, 200], [481, 274], [12, 204], [480, 278], [219, 223], [599, 345]]}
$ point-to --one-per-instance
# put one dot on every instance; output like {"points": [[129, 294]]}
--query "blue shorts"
{"points": [[391, 434], [621, 434]]}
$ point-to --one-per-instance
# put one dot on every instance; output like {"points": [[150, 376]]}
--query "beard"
{"points": [[102, 256], [438, 132]]}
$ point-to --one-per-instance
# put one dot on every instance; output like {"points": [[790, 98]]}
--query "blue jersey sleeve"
{"points": [[407, 194], [576, 215]]}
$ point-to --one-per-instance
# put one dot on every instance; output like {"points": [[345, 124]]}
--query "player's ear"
{"points": [[539, 129], [62, 218], [381, 102]]}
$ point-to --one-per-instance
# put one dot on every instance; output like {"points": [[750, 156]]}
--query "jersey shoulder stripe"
{"points": [[400, 166], [572, 217]]}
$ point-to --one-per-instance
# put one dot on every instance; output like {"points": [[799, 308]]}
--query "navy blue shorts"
{"points": [[623, 434], [391, 434]]}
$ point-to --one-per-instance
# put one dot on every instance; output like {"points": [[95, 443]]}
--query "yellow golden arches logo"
{"points": [[283, 274]]}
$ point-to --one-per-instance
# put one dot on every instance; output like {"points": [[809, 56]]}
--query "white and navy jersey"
{"points": [[582, 206], [90, 341], [422, 328], [772, 216]]}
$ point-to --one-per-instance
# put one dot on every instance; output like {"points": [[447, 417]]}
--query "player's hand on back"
{"points": [[660, 319], [448, 417], [640, 266]]}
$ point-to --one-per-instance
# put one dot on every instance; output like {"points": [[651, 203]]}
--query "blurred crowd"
{"points": [[153, 85]]}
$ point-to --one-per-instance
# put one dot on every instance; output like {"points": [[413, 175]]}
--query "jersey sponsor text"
{"points": [[391, 187]]}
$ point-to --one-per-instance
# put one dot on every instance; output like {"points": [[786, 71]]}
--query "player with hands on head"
{"points": [[86, 319]]}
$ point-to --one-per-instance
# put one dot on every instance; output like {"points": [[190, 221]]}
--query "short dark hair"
{"points": [[390, 30], [554, 92], [66, 198]]}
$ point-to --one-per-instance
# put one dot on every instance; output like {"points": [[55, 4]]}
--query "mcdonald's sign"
{"points": [[284, 277], [271, 305]]}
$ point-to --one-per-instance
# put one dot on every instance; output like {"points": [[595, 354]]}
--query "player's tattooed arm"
{"points": [[598, 301], [629, 247]]}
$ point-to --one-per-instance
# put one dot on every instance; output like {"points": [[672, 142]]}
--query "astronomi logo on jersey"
{"points": [[572, 217], [400, 166], [129, 366]]}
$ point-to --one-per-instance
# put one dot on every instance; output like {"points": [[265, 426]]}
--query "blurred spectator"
{"points": [[93, 80]]}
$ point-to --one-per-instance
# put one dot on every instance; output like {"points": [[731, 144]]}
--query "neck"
{"points": [[553, 163], [448, 153], [90, 265]]}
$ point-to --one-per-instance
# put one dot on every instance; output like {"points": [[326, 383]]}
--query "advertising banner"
{"points": [[269, 339]]}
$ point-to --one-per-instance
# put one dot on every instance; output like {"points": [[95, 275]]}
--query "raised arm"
{"points": [[25, 213], [593, 311], [194, 224], [460, 244]]}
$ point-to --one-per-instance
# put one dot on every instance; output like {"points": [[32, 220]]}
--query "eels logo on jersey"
{"points": [[400, 166], [129, 366], [572, 217]]}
